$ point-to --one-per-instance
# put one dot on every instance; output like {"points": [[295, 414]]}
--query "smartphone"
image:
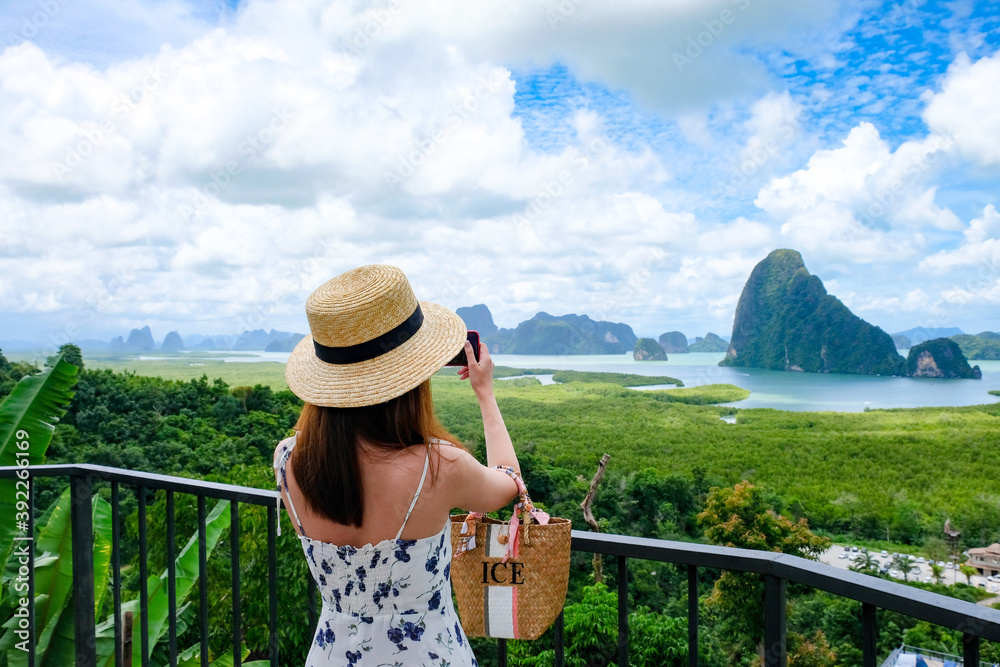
{"points": [[460, 358]]}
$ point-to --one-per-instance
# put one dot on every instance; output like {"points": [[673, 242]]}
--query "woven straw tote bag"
{"points": [[510, 577]]}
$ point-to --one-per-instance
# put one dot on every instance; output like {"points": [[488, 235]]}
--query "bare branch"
{"points": [[588, 516]]}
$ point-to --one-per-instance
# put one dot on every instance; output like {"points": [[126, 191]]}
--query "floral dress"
{"points": [[384, 605]]}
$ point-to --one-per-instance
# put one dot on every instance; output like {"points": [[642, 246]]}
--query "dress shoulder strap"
{"points": [[420, 486], [282, 479]]}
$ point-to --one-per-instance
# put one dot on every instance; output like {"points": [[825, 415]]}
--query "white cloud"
{"points": [[980, 251], [773, 126], [740, 234], [913, 302], [214, 177], [968, 108], [852, 202]]}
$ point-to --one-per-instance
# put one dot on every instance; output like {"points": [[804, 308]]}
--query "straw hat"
{"points": [[370, 340]]}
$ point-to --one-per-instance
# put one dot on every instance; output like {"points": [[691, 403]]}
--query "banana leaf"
{"points": [[54, 581], [192, 658], [33, 407], [53, 574], [61, 648], [158, 610]]}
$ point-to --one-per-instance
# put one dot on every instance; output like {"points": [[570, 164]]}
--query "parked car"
{"points": [[921, 560], [884, 553]]}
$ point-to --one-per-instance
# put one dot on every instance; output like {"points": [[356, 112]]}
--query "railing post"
{"points": [[692, 616], [32, 633], [970, 649], [234, 563], [171, 580], [560, 635], [622, 611], [116, 574], [272, 587], [82, 520], [869, 631], [143, 579], [774, 622], [203, 578]]}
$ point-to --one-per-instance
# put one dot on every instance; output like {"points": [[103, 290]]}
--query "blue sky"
{"points": [[632, 162]]}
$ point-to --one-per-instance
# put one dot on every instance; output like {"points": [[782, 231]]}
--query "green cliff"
{"points": [[172, 342], [478, 318], [565, 334], [647, 349], [710, 343], [985, 345], [674, 341], [786, 321], [939, 358]]}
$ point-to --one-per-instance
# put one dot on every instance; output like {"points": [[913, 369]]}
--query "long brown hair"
{"points": [[325, 458]]}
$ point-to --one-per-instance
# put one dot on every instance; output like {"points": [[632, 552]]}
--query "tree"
{"points": [[865, 562], [936, 548], [743, 517], [811, 651], [937, 571], [968, 571], [70, 354], [591, 628], [905, 566]]}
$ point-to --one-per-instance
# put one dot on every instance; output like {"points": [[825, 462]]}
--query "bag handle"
{"points": [[524, 512]]}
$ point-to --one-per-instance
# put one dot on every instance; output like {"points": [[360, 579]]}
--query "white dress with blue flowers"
{"points": [[384, 605]]}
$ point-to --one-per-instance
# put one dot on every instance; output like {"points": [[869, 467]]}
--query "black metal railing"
{"points": [[973, 621]]}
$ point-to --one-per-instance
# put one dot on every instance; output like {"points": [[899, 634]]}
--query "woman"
{"points": [[370, 476]]}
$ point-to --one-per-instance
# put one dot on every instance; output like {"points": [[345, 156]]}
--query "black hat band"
{"points": [[376, 347]]}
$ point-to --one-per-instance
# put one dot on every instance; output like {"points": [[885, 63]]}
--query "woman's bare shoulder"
{"points": [[449, 451]]}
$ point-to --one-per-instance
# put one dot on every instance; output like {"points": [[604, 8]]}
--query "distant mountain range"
{"points": [[578, 334], [141, 340], [918, 335]]}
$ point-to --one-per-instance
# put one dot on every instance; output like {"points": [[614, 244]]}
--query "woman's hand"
{"points": [[479, 373], [499, 448]]}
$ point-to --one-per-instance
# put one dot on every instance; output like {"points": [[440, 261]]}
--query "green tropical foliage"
{"points": [[54, 584], [865, 562], [591, 629], [620, 379], [28, 416], [743, 517], [856, 476]]}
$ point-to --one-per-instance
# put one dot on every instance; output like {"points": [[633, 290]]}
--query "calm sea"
{"points": [[781, 390], [768, 389]]}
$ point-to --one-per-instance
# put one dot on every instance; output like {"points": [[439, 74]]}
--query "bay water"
{"points": [[768, 389]]}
